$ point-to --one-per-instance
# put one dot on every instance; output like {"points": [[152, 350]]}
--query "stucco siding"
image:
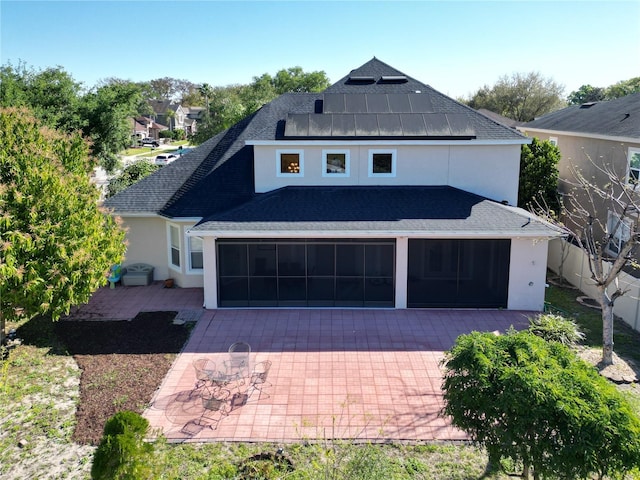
{"points": [[148, 243], [527, 274], [487, 170]]}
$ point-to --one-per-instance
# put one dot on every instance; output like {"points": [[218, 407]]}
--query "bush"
{"points": [[165, 134], [536, 403], [123, 453], [556, 328]]}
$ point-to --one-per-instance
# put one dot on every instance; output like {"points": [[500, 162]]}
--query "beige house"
{"points": [[592, 136], [378, 192]]}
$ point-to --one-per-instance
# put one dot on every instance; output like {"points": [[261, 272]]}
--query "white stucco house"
{"points": [[378, 192]]}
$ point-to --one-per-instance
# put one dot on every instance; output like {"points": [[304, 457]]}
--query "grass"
{"points": [[39, 395]]}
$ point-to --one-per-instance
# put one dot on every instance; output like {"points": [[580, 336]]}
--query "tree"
{"points": [[107, 111], [585, 94], [51, 94], [598, 216], [536, 402], [623, 88], [521, 97], [130, 175], [225, 106], [539, 175], [170, 115], [57, 244]]}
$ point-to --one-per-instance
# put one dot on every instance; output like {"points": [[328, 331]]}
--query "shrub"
{"points": [[123, 453], [556, 328], [537, 403], [165, 134]]}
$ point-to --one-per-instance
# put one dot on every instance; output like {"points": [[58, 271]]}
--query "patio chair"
{"points": [[259, 378], [215, 407], [239, 357], [205, 370]]}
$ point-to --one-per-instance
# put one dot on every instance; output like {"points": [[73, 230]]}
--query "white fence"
{"points": [[576, 271]]}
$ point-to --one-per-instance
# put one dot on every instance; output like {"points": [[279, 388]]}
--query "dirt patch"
{"points": [[122, 363], [623, 371]]}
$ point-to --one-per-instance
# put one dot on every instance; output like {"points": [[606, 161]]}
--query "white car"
{"points": [[165, 159]]}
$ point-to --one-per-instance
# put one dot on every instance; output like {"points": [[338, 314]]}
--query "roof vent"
{"points": [[588, 105], [394, 79], [361, 79]]}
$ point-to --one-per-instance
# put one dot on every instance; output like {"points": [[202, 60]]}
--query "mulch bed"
{"points": [[122, 363]]}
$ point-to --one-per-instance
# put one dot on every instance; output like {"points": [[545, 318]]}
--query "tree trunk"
{"points": [[607, 328]]}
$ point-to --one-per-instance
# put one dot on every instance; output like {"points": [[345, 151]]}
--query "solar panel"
{"points": [[320, 125], [413, 125], [367, 125], [420, 103], [355, 103], [390, 125], [297, 125], [343, 126], [399, 103], [437, 125], [377, 103], [334, 103], [460, 125]]}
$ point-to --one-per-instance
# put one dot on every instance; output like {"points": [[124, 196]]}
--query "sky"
{"points": [[455, 46]]}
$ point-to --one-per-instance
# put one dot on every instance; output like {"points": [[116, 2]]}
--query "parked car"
{"points": [[150, 141], [165, 159]]}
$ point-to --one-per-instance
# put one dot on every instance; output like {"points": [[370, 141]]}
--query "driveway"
{"points": [[370, 375]]}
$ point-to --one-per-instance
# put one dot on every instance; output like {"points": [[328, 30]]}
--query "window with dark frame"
{"points": [[336, 163], [382, 163]]}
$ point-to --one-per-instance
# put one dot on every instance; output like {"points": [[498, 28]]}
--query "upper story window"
{"points": [[335, 163], [174, 246], [382, 163], [620, 231], [634, 165], [290, 163]]}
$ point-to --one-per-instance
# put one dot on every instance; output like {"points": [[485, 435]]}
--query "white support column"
{"points": [[402, 270], [210, 273]]}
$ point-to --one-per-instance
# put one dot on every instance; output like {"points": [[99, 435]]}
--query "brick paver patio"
{"points": [[336, 373]]}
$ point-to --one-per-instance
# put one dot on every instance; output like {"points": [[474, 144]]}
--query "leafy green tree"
{"points": [[130, 175], [57, 244], [623, 88], [521, 96], [539, 176], [51, 94], [226, 106], [537, 403], [107, 111], [123, 454], [585, 94]]}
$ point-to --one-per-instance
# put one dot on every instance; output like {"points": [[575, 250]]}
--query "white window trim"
{"points": [[347, 164], [177, 268], [394, 154], [189, 269], [630, 153], [554, 141], [620, 239], [278, 165]]}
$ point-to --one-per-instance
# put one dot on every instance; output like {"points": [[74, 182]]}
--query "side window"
{"points": [[335, 163], [289, 163], [174, 246], [382, 163], [553, 141], [634, 165], [195, 253], [620, 231]]}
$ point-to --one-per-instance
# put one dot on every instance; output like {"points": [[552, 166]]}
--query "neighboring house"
{"points": [[377, 192], [194, 115], [177, 121], [145, 127], [589, 137], [509, 122]]}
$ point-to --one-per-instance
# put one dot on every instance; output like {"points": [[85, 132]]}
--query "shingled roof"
{"points": [[613, 118], [218, 175], [376, 210]]}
